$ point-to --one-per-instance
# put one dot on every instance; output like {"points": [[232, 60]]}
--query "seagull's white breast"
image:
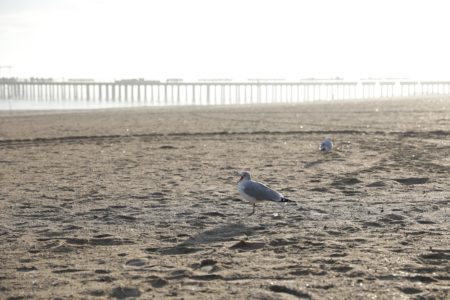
{"points": [[241, 187]]}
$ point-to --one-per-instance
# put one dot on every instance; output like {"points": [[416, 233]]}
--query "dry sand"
{"points": [[143, 202]]}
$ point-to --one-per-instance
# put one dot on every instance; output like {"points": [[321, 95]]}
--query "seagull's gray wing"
{"points": [[261, 192]]}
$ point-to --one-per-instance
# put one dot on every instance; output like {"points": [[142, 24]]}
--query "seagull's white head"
{"points": [[244, 176]]}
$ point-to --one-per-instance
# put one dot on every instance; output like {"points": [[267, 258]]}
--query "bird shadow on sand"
{"points": [[313, 163], [220, 234], [325, 157]]}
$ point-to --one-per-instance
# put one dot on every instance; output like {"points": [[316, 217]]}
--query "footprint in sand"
{"points": [[412, 180], [393, 219], [136, 262], [376, 184], [96, 293], [179, 249], [102, 271], [206, 265], [26, 269], [125, 292], [290, 291], [410, 290], [248, 246], [158, 282]]}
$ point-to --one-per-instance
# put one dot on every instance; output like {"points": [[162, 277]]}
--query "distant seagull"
{"points": [[253, 191], [326, 145]]}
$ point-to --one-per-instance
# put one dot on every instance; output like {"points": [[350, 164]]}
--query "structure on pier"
{"points": [[214, 92]]}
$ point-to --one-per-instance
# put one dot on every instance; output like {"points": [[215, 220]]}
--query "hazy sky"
{"points": [[237, 39]]}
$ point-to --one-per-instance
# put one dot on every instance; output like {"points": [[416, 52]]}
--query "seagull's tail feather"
{"points": [[286, 200]]}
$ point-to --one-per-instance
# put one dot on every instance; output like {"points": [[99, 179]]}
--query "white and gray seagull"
{"points": [[254, 192], [326, 145]]}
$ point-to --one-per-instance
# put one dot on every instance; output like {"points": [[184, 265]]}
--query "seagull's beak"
{"points": [[242, 177]]}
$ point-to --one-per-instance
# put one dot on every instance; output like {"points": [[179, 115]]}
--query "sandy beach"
{"points": [[142, 203]]}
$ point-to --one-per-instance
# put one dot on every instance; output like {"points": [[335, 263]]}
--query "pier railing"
{"points": [[148, 93]]}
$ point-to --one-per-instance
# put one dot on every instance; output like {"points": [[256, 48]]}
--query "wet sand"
{"points": [[143, 202]]}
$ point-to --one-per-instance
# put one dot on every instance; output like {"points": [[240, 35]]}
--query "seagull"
{"points": [[253, 191], [326, 145]]}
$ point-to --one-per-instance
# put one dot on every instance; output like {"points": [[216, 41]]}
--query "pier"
{"points": [[156, 93]]}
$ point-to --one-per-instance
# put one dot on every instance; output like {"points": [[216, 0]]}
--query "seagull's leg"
{"points": [[265, 206], [254, 205], [282, 207]]}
